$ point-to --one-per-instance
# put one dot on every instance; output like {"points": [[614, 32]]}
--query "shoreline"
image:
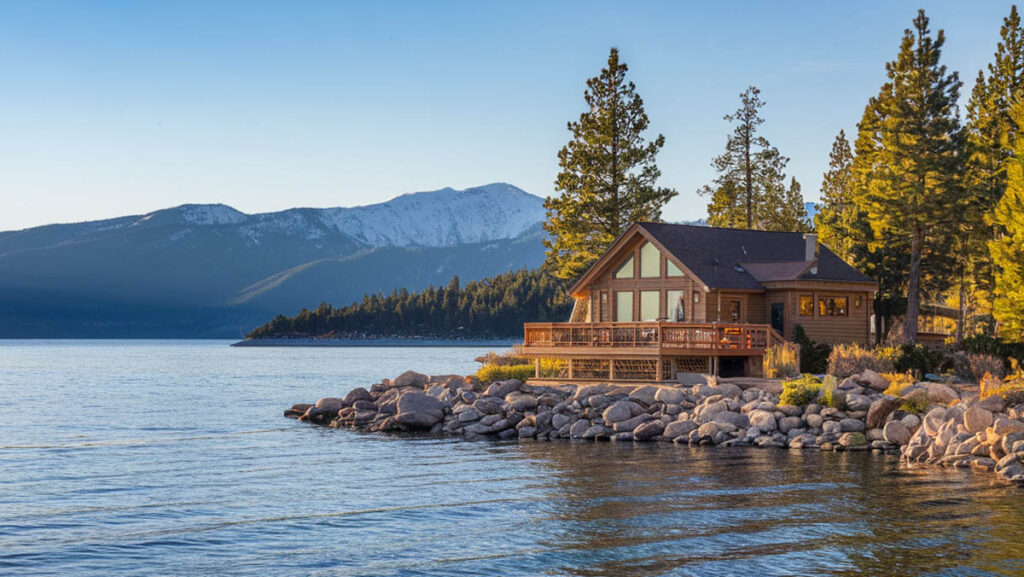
{"points": [[957, 429], [375, 342]]}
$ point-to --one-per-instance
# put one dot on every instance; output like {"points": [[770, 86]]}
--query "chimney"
{"points": [[810, 246]]}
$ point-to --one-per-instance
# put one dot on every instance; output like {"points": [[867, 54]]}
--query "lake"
{"points": [[173, 458]]}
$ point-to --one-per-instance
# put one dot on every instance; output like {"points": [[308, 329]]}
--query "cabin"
{"points": [[669, 299]]}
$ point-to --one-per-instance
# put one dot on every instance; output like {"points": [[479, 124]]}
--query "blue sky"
{"points": [[110, 108]]}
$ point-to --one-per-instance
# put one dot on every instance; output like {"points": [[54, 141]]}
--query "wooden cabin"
{"points": [[668, 299]]}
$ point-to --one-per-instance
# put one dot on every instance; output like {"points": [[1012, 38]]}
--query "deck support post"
{"points": [[659, 377], [536, 367], [571, 371], [611, 369]]}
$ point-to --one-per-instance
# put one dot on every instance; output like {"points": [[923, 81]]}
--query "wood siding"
{"points": [[853, 328]]}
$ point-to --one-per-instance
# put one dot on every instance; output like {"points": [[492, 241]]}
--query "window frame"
{"points": [[827, 311], [800, 305]]}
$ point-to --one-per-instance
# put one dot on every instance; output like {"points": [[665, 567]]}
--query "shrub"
{"points": [[916, 402], [813, 356], [502, 359], [847, 360], [800, 391], [974, 366], [995, 346], [828, 393], [490, 373], [898, 382], [1012, 389], [919, 359], [780, 361]]}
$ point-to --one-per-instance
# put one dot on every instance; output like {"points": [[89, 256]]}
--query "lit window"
{"points": [[672, 269], [624, 306], [734, 311], [649, 309], [626, 270], [833, 307], [806, 306]]}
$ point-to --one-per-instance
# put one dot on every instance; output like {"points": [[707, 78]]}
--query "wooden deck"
{"points": [[559, 340], [645, 351]]}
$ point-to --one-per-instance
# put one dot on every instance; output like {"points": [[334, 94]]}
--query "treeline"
{"points": [[495, 307], [932, 207]]}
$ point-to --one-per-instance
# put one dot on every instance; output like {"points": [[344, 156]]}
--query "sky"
{"points": [[114, 108]]}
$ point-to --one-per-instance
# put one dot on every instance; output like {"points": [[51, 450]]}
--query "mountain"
{"points": [[213, 271]]}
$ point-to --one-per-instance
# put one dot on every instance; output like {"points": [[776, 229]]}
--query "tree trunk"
{"points": [[749, 179], [962, 312], [914, 287]]}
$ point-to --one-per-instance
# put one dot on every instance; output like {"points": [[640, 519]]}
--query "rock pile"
{"points": [[968, 433]]}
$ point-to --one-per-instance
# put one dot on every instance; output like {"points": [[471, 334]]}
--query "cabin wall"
{"points": [[832, 329], [602, 290], [752, 307]]}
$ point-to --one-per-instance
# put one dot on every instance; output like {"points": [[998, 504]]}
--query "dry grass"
{"points": [[781, 361]]}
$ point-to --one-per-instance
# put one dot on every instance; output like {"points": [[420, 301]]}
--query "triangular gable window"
{"points": [[672, 269], [650, 261], [626, 270]]}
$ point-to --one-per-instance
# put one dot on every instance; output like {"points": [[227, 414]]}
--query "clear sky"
{"points": [[111, 108]]}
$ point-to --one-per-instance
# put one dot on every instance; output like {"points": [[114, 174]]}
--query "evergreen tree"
{"points": [[1007, 250], [913, 195], [991, 142], [750, 190], [837, 211], [608, 177]]}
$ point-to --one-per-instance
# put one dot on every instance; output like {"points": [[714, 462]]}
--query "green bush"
{"points": [[988, 345], [916, 402], [813, 355], [800, 391], [919, 360]]}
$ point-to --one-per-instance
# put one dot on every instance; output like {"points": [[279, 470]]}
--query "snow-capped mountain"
{"points": [[218, 262]]}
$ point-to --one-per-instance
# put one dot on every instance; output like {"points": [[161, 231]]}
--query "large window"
{"points": [[806, 306], [626, 270], [675, 304], [650, 261], [624, 306], [649, 305], [734, 311], [833, 307]]}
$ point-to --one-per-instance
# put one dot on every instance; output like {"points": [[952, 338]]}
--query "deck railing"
{"points": [[694, 336]]}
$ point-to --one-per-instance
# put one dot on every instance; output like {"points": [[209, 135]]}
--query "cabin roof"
{"points": [[720, 256], [727, 258]]}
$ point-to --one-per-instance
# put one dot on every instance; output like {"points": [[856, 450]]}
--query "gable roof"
{"points": [[718, 255], [727, 258]]}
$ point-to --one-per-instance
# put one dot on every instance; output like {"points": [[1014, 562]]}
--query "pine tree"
{"points": [[913, 195], [837, 211], [750, 190], [1007, 250], [608, 178], [991, 142]]}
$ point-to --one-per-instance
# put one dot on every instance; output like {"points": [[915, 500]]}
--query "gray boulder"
{"points": [[738, 420], [617, 412], [763, 420], [679, 428], [357, 394], [521, 401], [501, 389], [670, 395], [881, 409], [851, 426], [647, 430], [419, 410], [411, 379]]}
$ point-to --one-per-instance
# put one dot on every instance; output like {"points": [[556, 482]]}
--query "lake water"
{"points": [[173, 458]]}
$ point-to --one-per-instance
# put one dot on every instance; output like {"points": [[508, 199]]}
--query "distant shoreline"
{"points": [[381, 342]]}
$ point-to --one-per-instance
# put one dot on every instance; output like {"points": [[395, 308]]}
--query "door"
{"points": [[778, 317]]}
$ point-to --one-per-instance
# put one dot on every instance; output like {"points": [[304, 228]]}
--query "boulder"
{"points": [[559, 420], [940, 394], [410, 379], [705, 413], [647, 430], [469, 414], [873, 380], [679, 428], [994, 403], [629, 424], [419, 410], [527, 432], [330, 405], [578, 428], [521, 401], [645, 395], [814, 420], [488, 405], [977, 420], [595, 432], [881, 409], [362, 405], [787, 424], [1004, 426], [501, 389], [357, 394], [738, 420], [618, 411], [853, 439], [830, 427], [851, 426], [763, 420], [670, 395], [911, 421], [933, 421], [599, 402], [858, 402]]}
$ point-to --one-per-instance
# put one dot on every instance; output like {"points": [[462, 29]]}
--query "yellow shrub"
{"points": [[898, 382], [781, 361], [549, 368], [1012, 388]]}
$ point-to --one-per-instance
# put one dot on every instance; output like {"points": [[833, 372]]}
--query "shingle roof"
{"points": [[715, 254]]}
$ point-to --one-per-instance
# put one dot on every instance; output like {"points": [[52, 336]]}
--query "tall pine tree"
{"points": [[991, 142], [608, 178], [750, 190], [1007, 249], [837, 211], [912, 193]]}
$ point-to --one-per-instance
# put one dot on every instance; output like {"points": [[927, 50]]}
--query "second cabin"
{"points": [[667, 299]]}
